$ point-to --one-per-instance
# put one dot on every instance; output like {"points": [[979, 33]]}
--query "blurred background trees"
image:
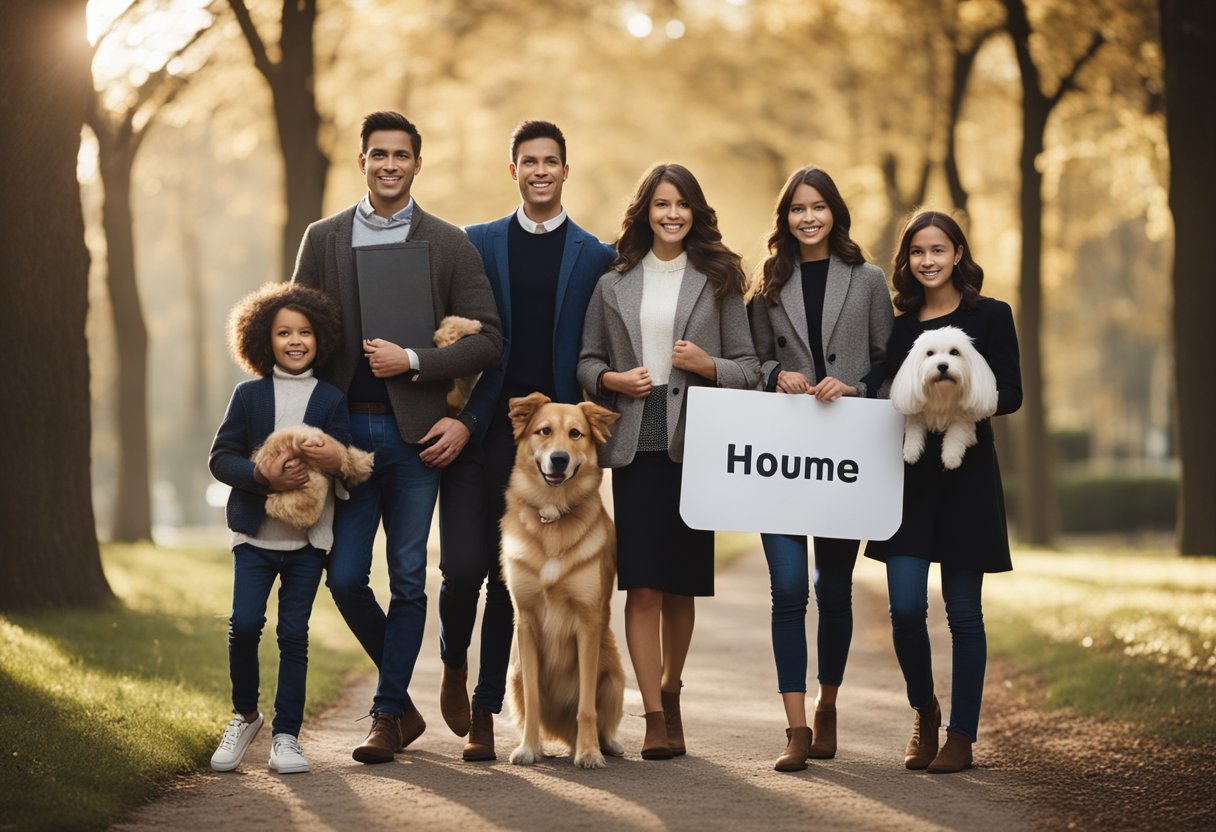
{"points": [[1042, 122]]}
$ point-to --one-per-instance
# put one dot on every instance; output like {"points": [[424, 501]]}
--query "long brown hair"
{"points": [[703, 244], [967, 275], [784, 253]]}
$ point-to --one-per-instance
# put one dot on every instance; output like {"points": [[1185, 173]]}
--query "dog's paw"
{"points": [[951, 458], [590, 759], [612, 747], [523, 756], [549, 513], [912, 451]]}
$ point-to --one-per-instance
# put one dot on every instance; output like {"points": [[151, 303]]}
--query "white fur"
{"points": [[944, 386]]}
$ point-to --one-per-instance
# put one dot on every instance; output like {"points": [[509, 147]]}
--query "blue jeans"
{"points": [[299, 573], [401, 490], [471, 502], [907, 584], [788, 571]]}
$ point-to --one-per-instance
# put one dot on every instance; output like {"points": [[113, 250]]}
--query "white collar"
{"points": [[652, 263], [279, 372], [530, 226]]}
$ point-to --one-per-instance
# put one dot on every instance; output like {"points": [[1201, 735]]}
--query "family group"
{"points": [[630, 326]]}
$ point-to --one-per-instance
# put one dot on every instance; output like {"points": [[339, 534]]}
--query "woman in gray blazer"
{"points": [[669, 315], [820, 323]]}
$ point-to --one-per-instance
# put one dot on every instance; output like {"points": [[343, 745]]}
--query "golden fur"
{"points": [[302, 507], [452, 329], [559, 563]]}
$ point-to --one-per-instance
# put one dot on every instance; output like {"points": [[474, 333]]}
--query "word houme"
{"points": [[790, 467]]}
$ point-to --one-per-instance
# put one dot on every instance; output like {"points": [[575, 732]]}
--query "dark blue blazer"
{"points": [[249, 420], [584, 259]]}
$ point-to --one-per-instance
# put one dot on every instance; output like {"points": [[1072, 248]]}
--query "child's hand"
{"points": [[283, 473], [323, 453]]}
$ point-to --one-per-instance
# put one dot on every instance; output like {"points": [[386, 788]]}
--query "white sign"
{"points": [[771, 462]]}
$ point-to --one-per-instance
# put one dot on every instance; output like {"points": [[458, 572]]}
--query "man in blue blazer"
{"points": [[542, 269]]}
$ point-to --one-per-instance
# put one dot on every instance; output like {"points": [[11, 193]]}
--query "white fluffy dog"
{"points": [[302, 507], [944, 386]]}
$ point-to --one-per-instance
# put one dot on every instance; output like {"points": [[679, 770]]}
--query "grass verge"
{"points": [[1125, 636], [102, 705]]}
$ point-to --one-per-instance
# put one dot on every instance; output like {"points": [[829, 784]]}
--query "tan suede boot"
{"points": [[823, 732], [411, 725], [797, 748], [382, 741], [655, 746], [481, 737], [454, 698], [675, 724], [922, 748], [954, 756]]}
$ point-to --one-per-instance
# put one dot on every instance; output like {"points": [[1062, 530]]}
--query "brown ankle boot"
{"points": [[454, 698], [411, 725], [481, 737], [675, 725], [954, 756], [922, 748], [823, 733], [655, 746], [382, 741], [798, 744]]}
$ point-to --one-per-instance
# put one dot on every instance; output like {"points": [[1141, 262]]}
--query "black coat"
{"points": [[958, 517]]}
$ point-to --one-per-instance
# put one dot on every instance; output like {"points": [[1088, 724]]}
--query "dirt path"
{"points": [[735, 730]]}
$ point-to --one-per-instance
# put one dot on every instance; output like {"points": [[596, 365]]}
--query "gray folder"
{"points": [[395, 293]]}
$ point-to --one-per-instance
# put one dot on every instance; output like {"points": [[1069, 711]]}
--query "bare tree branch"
{"points": [[260, 59], [1069, 81]]}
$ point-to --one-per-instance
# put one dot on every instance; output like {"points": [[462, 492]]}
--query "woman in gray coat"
{"points": [[669, 315], [820, 323]]}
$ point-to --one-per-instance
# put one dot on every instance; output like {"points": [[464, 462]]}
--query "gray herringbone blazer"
{"points": [[612, 340], [326, 261], [857, 320]]}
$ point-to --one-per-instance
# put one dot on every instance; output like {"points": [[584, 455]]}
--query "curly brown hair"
{"points": [[250, 322], [704, 246]]}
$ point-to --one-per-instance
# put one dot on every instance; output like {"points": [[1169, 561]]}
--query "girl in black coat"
{"points": [[952, 517]]}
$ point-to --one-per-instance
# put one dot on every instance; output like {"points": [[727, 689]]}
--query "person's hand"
{"points": [[635, 383], [386, 358], [689, 357], [789, 381], [283, 473], [323, 454], [831, 389], [450, 435]]}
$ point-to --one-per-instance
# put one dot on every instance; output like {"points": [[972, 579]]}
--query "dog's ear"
{"points": [[600, 419], [520, 410], [980, 397], [907, 390]]}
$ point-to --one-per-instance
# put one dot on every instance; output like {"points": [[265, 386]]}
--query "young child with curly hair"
{"points": [[277, 333]]}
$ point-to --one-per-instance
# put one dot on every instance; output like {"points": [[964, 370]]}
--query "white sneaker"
{"points": [[236, 739], [286, 756]]}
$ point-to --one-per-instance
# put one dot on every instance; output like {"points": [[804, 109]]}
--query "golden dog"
{"points": [[302, 507], [451, 329], [559, 563]]}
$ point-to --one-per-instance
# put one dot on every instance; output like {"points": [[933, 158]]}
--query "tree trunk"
{"points": [[1037, 499], [132, 519], [1188, 35], [47, 535]]}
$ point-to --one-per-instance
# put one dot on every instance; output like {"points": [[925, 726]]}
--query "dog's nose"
{"points": [[558, 461], [941, 368]]}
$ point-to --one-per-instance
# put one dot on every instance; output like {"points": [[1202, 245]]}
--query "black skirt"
{"points": [[654, 548]]}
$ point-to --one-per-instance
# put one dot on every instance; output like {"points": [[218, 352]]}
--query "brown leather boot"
{"points": [[454, 698], [954, 756], [655, 746], [823, 726], [798, 744], [675, 725], [382, 741], [922, 748], [481, 737], [411, 725]]}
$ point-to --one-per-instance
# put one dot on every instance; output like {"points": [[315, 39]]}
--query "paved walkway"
{"points": [[735, 730]]}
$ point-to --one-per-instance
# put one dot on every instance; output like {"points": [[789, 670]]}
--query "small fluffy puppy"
{"points": [[559, 563], [302, 507], [944, 386], [452, 329]]}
